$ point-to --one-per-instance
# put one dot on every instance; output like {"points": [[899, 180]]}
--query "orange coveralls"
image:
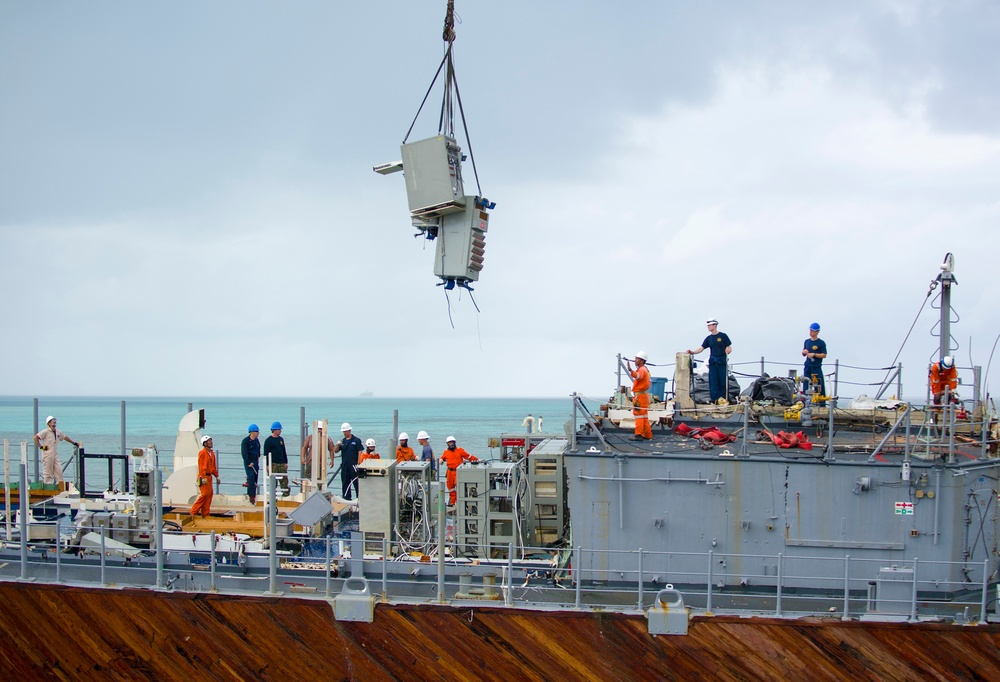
{"points": [[453, 458], [207, 468], [940, 378], [641, 384], [404, 453], [367, 455]]}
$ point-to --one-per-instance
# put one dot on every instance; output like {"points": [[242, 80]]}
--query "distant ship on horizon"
{"points": [[366, 394]]}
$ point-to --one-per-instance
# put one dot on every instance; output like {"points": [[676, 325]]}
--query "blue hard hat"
{"points": [[275, 426], [252, 428], [814, 327]]}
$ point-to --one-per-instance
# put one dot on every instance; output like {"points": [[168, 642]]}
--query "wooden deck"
{"points": [[72, 633]]}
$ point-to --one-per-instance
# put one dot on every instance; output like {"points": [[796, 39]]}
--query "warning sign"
{"points": [[904, 508]]}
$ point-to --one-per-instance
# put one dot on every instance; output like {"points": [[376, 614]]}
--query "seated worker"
{"points": [[453, 457], [943, 375], [369, 452], [404, 453]]}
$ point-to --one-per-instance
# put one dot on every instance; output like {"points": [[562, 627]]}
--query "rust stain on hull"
{"points": [[70, 633]]}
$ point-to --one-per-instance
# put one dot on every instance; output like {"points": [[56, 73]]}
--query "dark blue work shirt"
{"points": [[817, 346], [350, 448], [251, 450], [717, 344]]}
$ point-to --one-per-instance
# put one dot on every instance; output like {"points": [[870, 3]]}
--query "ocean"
{"points": [[97, 423]]}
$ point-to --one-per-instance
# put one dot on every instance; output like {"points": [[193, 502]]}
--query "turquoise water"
{"points": [[97, 422]]}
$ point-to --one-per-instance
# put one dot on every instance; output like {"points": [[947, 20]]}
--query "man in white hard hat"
{"points": [[427, 452], [453, 458], [943, 375], [404, 453], [641, 383], [46, 440], [350, 448], [207, 468]]}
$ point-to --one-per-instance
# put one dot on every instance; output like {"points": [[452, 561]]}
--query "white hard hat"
{"points": [[370, 443], [345, 427], [450, 439], [205, 439], [711, 320], [403, 436], [642, 355], [49, 418], [947, 362], [422, 435]]}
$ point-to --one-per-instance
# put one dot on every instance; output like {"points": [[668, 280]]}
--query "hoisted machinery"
{"points": [[432, 167]]}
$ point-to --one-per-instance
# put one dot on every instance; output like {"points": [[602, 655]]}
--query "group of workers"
{"points": [[719, 346], [352, 453]]}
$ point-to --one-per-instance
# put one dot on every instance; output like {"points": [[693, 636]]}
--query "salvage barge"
{"points": [[70, 633]]}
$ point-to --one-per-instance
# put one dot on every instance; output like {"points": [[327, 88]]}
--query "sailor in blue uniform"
{"points": [[813, 350], [720, 347]]}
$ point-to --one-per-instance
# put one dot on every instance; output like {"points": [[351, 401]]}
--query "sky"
{"points": [[188, 208]]}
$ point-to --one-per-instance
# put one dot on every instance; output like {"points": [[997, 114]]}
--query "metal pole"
{"points": [[6, 486], [847, 587], [618, 385], [576, 574], [899, 381], [303, 430], [829, 427], [761, 366], [906, 441], [986, 586], [123, 437], [158, 520], [23, 507], [621, 494], [746, 426], [441, 529], [36, 431], [640, 578], [104, 555], [708, 594], [777, 605], [328, 542], [913, 599], [510, 574], [190, 407], [272, 525], [58, 555], [212, 565], [385, 570], [836, 381]]}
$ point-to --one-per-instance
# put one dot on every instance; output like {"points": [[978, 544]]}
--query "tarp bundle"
{"points": [[779, 389], [710, 434], [700, 392], [783, 439]]}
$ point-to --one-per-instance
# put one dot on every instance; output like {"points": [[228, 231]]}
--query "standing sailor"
{"points": [[427, 452], [720, 347], [814, 350], [276, 456], [404, 453], [641, 383], [207, 467], [250, 449], [350, 448], [46, 440], [369, 452]]}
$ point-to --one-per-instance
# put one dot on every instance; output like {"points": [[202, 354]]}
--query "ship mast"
{"points": [[946, 278]]}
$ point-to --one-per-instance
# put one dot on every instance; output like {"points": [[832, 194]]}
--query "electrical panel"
{"points": [[414, 516], [376, 502], [547, 517], [433, 172], [489, 512], [461, 243]]}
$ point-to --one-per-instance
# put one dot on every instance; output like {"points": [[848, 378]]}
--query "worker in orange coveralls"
{"points": [[641, 383], [369, 452], [207, 467], [404, 453], [943, 374], [453, 457]]}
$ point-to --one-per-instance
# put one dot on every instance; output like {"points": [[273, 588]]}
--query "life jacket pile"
{"points": [[783, 439]]}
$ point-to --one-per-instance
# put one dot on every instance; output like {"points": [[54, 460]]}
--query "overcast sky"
{"points": [[187, 205]]}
